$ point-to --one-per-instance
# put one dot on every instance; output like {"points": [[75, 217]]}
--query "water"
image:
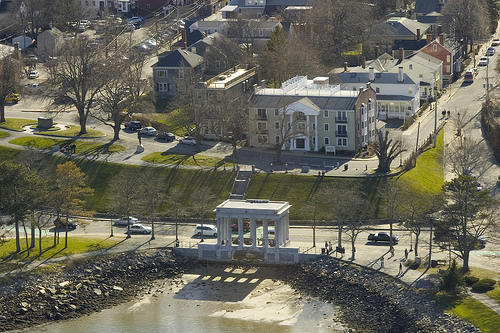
{"points": [[227, 300]]}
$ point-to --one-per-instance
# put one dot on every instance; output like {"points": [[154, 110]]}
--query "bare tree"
{"points": [[391, 192], [467, 155], [82, 71], [468, 214], [468, 19], [202, 202], [126, 190], [224, 54], [9, 79], [177, 207], [458, 120], [350, 210], [387, 150], [152, 195], [288, 128]]}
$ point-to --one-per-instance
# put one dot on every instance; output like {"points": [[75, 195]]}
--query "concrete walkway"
{"points": [[486, 300]]}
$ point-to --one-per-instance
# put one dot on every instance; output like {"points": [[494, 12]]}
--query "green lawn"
{"points": [[16, 124], [75, 245], [425, 178], [82, 147], [161, 121], [478, 314], [4, 134], [178, 159], [74, 131]]}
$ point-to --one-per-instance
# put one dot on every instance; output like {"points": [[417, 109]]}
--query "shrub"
{"points": [[470, 280], [412, 264], [483, 285], [452, 278]]}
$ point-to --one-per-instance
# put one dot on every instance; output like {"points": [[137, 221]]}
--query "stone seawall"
{"points": [[372, 301], [82, 287]]}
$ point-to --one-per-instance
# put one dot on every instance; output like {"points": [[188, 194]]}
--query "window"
{"points": [[377, 90], [277, 125], [326, 128], [261, 125], [276, 112], [193, 49], [181, 73], [314, 126], [325, 113], [341, 116], [262, 139], [277, 139], [434, 47], [448, 69], [161, 73], [342, 142], [327, 141], [409, 107], [301, 116], [448, 58], [261, 114], [341, 130]]}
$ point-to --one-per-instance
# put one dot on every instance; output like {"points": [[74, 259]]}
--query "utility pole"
{"points": [[430, 244], [435, 123]]}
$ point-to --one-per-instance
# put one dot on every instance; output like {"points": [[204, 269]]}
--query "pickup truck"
{"points": [[383, 237]]}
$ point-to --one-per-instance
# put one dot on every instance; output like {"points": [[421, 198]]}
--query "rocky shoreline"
{"points": [[373, 302], [82, 287]]}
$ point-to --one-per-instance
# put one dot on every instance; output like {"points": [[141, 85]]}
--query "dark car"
{"points": [[133, 125], [166, 136], [383, 237], [61, 224]]}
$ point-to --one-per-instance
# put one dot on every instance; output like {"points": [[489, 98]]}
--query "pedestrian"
{"points": [[392, 252], [326, 246], [338, 164], [382, 262], [400, 268], [448, 113], [406, 254], [73, 148], [330, 248]]}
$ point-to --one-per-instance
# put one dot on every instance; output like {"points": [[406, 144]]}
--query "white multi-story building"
{"points": [[94, 8], [312, 115]]}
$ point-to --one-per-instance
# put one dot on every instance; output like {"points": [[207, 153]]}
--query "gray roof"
{"points": [[178, 58], [243, 3], [427, 6], [384, 78], [402, 26], [209, 40], [323, 102], [393, 98]]}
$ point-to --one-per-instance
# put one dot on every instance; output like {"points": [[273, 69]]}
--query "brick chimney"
{"points": [[363, 62], [376, 51], [441, 39], [401, 53], [345, 66], [371, 74], [184, 38], [429, 38], [400, 74], [418, 34], [439, 29]]}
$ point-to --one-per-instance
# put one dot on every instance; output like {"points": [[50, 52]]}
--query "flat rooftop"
{"points": [[230, 77], [254, 205]]}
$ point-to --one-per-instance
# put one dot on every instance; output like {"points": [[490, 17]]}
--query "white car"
{"points": [[138, 228], [188, 141], [124, 221], [33, 74], [151, 43], [483, 61], [208, 230], [495, 42], [149, 131]]}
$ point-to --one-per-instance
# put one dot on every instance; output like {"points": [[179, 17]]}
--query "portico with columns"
{"points": [[267, 232], [303, 118]]}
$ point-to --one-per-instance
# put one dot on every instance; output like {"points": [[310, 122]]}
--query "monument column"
{"points": [[240, 232], [253, 231], [219, 229], [266, 233]]}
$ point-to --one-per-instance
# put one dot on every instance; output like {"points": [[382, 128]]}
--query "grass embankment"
{"points": [[471, 310], [4, 134], [161, 121], [74, 131], [425, 179], [76, 245], [82, 147], [179, 159], [16, 123]]}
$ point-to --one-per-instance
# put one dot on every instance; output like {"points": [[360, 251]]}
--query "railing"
{"points": [[262, 131], [341, 134], [340, 120], [261, 117]]}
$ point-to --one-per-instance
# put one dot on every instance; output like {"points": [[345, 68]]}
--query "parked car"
{"points": [[246, 226], [81, 27], [60, 223], [133, 125], [152, 43], [138, 228], [490, 51], [13, 98], [469, 76], [383, 237], [149, 131], [124, 221], [208, 230], [166, 136], [479, 187], [33, 74], [483, 61], [136, 20], [188, 141], [495, 42], [62, 99]]}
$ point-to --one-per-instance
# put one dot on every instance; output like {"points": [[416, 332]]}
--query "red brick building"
{"points": [[438, 49]]}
